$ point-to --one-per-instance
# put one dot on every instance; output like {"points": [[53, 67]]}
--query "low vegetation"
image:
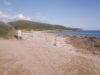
{"points": [[85, 44], [6, 30], [30, 25], [9, 29]]}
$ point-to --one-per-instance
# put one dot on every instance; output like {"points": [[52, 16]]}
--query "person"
{"points": [[55, 41], [19, 35]]}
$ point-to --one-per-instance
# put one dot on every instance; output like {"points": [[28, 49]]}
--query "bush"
{"points": [[6, 30]]}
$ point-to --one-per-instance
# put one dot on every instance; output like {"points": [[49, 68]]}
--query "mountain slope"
{"points": [[30, 25]]}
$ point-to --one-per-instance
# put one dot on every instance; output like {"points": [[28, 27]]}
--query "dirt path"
{"points": [[36, 57]]}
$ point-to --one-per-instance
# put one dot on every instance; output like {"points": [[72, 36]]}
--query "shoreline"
{"points": [[80, 33], [86, 44], [36, 54]]}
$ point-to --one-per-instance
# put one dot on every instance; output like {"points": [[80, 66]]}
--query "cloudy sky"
{"points": [[71, 13]]}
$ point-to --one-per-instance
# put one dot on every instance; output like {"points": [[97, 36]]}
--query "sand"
{"points": [[37, 54]]}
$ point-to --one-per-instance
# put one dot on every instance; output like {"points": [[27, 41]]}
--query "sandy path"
{"points": [[38, 56]]}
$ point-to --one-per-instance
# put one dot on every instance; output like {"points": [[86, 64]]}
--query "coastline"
{"points": [[84, 33], [85, 44], [37, 54]]}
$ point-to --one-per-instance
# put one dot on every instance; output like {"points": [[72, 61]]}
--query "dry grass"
{"points": [[85, 44], [6, 30]]}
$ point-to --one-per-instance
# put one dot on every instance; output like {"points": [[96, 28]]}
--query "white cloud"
{"points": [[2, 14], [21, 17], [3, 17], [7, 18]]}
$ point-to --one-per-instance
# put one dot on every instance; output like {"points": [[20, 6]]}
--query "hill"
{"points": [[6, 30], [9, 29], [30, 25]]}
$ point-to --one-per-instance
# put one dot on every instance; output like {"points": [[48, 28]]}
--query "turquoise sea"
{"points": [[95, 33]]}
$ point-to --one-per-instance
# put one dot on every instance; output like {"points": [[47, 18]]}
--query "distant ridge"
{"points": [[30, 25], [8, 30]]}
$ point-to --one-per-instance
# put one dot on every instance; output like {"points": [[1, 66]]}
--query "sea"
{"points": [[90, 33]]}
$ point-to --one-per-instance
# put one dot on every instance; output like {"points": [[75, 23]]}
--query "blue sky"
{"points": [[71, 13]]}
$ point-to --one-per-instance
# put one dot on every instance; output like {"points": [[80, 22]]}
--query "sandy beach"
{"points": [[42, 53]]}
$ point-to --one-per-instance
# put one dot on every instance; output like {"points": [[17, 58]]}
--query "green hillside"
{"points": [[30, 25], [6, 30]]}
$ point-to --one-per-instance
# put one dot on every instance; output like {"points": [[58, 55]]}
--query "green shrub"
{"points": [[6, 30]]}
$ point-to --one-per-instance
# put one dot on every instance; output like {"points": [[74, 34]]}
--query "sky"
{"points": [[83, 14]]}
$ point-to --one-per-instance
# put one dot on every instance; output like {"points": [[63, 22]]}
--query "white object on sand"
{"points": [[19, 34]]}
